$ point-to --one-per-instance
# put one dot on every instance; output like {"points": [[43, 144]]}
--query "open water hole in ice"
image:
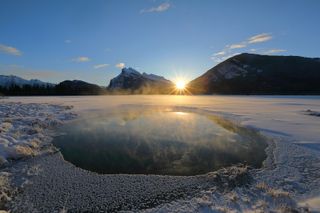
{"points": [[163, 142]]}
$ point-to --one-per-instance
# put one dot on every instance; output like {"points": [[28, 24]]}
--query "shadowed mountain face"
{"points": [[241, 74], [77, 87], [13, 85], [132, 81], [260, 74]]}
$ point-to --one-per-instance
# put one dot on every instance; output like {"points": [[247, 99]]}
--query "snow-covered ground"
{"points": [[24, 128], [290, 178]]}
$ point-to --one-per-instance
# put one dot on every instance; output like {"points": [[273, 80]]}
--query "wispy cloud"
{"points": [[238, 46], [219, 53], [229, 49], [273, 51], [67, 41], [263, 37], [81, 59], [120, 65], [98, 66], [10, 50], [158, 9]]}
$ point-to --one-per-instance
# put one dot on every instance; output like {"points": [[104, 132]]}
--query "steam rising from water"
{"points": [[158, 141]]}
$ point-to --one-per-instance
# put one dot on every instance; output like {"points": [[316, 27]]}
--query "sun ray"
{"points": [[180, 87]]}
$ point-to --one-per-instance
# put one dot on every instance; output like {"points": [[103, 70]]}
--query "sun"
{"points": [[181, 85]]}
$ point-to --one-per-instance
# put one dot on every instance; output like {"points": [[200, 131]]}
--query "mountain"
{"points": [[77, 87], [260, 74], [14, 85], [7, 81], [132, 81]]}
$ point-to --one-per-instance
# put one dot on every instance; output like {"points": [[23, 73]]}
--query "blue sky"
{"points": [[91, 40]]}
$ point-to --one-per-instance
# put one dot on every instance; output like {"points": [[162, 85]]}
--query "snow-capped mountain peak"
{"points": [[130, 71], [130, 78], [11, 80], [154, 77]]}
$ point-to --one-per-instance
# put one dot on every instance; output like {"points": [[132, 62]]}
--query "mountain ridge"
{"points": [[12, 80], [132, 81], [243, 74], [260, 74]]}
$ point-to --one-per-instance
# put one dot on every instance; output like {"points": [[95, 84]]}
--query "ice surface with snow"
{"points": [[24, 128], [288, 181]]}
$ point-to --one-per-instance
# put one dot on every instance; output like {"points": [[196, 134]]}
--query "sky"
{"points": [[91, 40]]}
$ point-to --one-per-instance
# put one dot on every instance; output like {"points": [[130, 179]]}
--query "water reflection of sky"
{"points": [[157, 142]]}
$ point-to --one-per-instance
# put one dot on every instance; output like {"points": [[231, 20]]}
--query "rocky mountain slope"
{"points": [[132, 81], [260, 74]]}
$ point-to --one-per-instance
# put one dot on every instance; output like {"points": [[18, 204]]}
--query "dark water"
{"points": [[165, 142]]}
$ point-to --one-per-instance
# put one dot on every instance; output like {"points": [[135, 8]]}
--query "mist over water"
{"points": [[158, 141]]}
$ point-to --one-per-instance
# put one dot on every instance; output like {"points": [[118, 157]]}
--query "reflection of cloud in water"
{"points": [[156, 141]]}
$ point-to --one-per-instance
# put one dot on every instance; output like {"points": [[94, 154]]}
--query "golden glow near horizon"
{"points": [[180, 87], [181, 84]]}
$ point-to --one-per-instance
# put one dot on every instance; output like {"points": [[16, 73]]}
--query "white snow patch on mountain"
{"points": [[11, 80], [130, 71], [154, 77], [130, 75]]}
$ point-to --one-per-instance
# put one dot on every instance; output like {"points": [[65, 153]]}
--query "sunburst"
{"points": [[181, 87]]}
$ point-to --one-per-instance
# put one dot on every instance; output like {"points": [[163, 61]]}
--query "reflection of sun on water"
{"points": [[181, 113]]}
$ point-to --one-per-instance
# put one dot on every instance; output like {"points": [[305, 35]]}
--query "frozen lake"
{"points": [[289, 175], [276, 115]]}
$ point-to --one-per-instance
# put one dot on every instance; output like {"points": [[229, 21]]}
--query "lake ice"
{"points": [[289, 178]]}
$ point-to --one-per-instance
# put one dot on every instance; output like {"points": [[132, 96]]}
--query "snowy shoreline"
{"points": [[289, 180], [25, 128]]}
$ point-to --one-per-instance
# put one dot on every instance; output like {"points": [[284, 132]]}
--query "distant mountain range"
{"points": [[241, 74], [260, 74], [11, 80], [14, 85], [132, 81]]}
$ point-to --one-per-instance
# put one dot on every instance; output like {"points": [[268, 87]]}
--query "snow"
{"points": [[154, 77], [7, 81], [231, 70], [289, 179], [118, 81], [24, 128], [130, 71]]}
